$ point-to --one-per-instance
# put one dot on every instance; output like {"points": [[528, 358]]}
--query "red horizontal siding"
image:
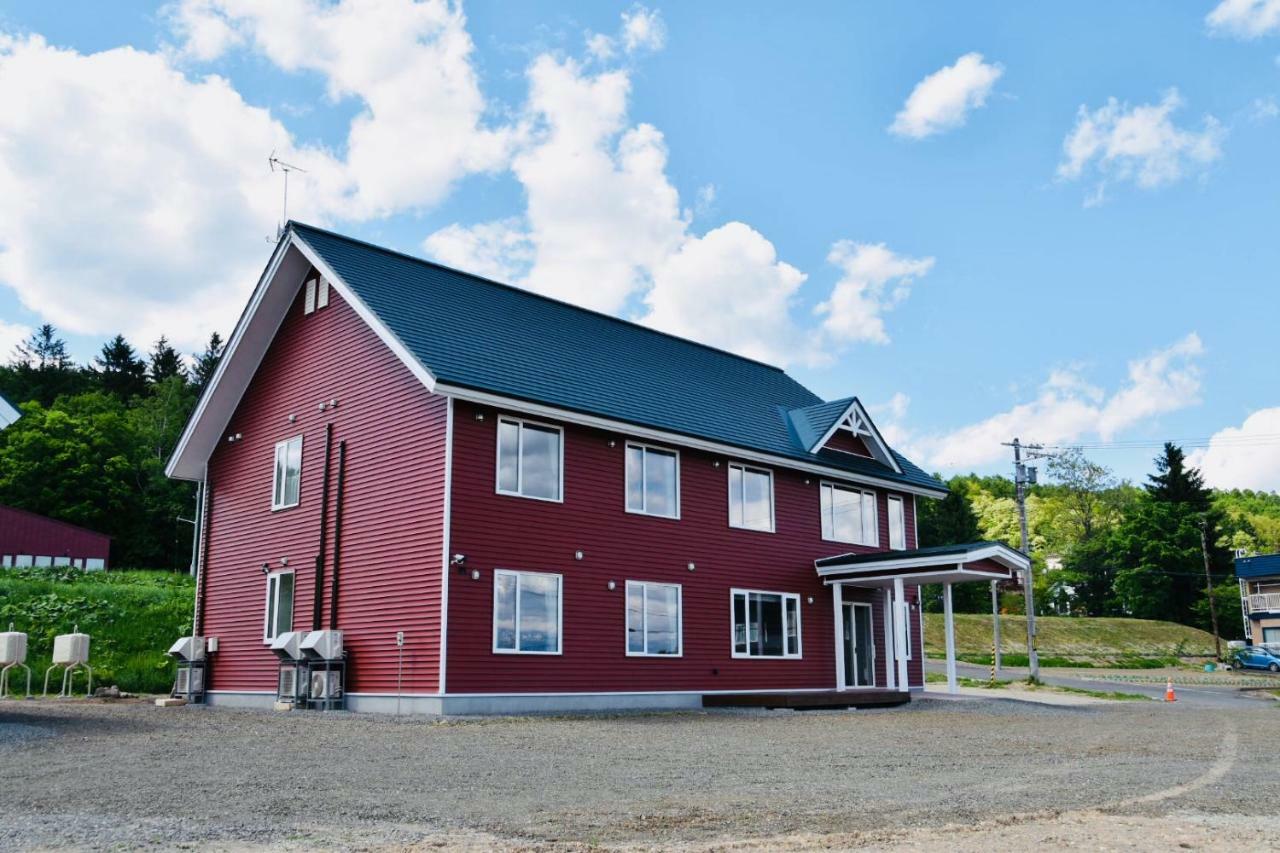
{"points": [[392, 518], [497, 531], [23, 532]]}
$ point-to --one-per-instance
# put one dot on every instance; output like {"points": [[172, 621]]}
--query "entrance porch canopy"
{"points": [[944, 564]]}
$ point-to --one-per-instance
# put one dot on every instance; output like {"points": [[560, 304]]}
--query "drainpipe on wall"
{"points": [[317, 597], [337, 536]]}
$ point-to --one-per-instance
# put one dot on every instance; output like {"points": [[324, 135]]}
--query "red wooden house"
{"points": [[554, 508]]}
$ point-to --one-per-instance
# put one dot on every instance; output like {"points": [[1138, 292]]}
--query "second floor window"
{"points": [[897, 524], [287, 481], [530, 460], [750, 498], [849, 515], [653, 481]]}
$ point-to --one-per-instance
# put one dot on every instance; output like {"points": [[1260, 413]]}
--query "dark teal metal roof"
{"points": [[811, 423], [486, 336], [1268, 565]]}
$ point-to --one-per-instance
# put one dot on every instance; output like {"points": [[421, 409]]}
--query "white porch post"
{"points": [[890, 658], [900, 633], [837, 604], [951, 639]]}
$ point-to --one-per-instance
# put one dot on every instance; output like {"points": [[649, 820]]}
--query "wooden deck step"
{"points": [[808, 700]]}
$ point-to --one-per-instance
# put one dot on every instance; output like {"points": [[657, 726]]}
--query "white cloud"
{"points": [[1067, 409], [1139, 144], [728, 289], [1265, 109], [1244, 457], [11, 334], [409, 63], [642, 30], [874, 280], [943, 99], [136, 199], [1246, 19]]}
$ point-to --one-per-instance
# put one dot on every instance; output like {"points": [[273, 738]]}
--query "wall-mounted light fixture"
{"points": [[475, 574], [320, 406], [715, 464], [692, 567], [810, 599], [479, 416], [577, 555], [613, 443], [284, 561], [293, 418], [333, 404], [612, 586], [266, 568]]}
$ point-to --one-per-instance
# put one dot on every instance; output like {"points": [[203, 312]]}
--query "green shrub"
{"points": [[131, 617]]}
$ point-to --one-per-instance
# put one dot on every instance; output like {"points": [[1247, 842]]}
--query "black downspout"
{"points": [[317, 603], [337, 536], [203, 562]]}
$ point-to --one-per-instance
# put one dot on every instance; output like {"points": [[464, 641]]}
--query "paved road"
{"points": [[1199, 695]]}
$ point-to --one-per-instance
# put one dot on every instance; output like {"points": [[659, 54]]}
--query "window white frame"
{"points": [[645, 450], [733, 624], [892, 501], [518, 576], [272, 604], [826, 504], [745, 469], [644, 616], [521, 423], [280, 488]]}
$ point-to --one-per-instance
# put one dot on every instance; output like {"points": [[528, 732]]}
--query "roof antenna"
{"points": [[277, 164]]}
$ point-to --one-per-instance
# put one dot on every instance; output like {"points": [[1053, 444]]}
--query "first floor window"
{"points": [[95, 564], [287, 480], [526, 612], [750, 498], [529, 459], [279, 618], [897, 524], [22, 561], [653, 476], [653, 618], [766, 624], [849, 515]]}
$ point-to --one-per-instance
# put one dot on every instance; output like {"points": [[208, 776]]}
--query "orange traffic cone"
{"points": [[1169, 695]]}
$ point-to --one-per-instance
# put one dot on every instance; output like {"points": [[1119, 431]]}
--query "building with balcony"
{"points": [[1260, 597]]}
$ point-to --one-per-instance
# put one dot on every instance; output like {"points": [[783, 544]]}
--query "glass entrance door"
{"points": [[859, 648]]}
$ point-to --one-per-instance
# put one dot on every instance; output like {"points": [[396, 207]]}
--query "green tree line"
{"points": [[93, 440], [1103, 547]]}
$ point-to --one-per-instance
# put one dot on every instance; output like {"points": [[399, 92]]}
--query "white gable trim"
{"points": [[513, 404], [249, 343], [1001, 554], [858, 417]]}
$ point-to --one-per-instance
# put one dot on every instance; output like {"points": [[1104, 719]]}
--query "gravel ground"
{"points": [[978, 775]]}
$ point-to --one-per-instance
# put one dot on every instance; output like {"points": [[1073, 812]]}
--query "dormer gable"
{"points": [[841, 426]]}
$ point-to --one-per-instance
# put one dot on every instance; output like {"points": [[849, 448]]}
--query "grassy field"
{"points": [[1062, 640], [131, 617]]}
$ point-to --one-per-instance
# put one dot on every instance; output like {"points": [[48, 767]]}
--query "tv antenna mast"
{"points": [[277, 164]]}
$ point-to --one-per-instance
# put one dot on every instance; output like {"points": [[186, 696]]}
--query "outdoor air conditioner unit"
{"points": [[288, 645], [190, 683], [71, 649], [188, 649], [326, 685], [322, 645]]}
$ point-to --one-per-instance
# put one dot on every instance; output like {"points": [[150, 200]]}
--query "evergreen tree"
{"points": [[166, 363], [1175, 483], [952, 521], [119, 370], [207, 362], [41, 369]]}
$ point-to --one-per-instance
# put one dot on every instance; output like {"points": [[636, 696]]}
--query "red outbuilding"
{"points": [[27, 539], [507, 503]]}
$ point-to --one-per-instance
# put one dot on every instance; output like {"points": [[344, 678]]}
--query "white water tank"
{"points": [[288, 646], [13, 648], [71, 649], [322, 645], [188, 648]]}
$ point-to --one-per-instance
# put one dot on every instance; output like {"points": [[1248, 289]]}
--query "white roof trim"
{"points": [[1002, 554], [249, 343], [860, 417], [663, 436], [952, 575], [8, 413]]}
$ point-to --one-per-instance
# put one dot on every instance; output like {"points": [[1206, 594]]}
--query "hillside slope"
{"points": [[1071, 637]]}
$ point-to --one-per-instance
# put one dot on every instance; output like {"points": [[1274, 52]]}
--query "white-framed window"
{"points": [[22, 561], [530, 460], [527, 612], [897, 523], [61, 561], [849, 515], [44, 562], [654, 617], [6, 561], [653, 481], [765, 624], [286, 482], [279, 610], [750, 498], [94, 564]]}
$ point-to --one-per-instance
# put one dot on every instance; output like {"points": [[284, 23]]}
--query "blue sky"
{"points": [[1123, 301]]}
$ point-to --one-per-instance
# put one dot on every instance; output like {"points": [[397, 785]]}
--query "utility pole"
{"points": [[1022, 476], [1208, 586], [995, 629]]}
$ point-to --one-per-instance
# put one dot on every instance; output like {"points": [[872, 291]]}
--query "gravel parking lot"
{"points": [[970, 774]]}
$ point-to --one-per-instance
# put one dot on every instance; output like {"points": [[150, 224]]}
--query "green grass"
{"points": [[1114, 695], [131, 617], [1071, 641], [966, 681]]}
